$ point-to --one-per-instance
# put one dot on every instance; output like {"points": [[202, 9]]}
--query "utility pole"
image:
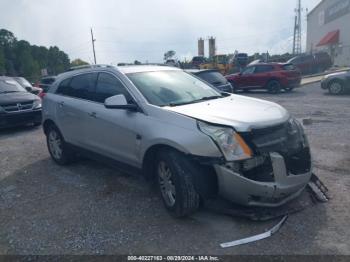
{"points": [[93, 45], [297, 29]]}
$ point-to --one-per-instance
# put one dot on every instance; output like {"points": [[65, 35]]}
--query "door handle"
{"points": [[61, 104], [93, 114]]}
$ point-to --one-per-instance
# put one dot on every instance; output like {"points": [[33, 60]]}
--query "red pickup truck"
{"points": [[270, 76]]}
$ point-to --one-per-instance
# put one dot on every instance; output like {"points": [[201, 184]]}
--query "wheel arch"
{"points": [[47, 123], [205, 180]]}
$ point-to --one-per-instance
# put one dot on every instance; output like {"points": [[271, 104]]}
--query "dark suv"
{"points": [[310, 64], [213, 77], [17, 105], [271, 76]]}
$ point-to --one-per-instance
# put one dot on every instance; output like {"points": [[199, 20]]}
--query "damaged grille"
{"points": [[286, 139]]}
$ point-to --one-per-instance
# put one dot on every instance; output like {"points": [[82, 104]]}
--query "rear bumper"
{"points": [[21, 118], [241, 190]]}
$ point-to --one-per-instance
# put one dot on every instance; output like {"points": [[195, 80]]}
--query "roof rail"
{"points": [[88, 66]]}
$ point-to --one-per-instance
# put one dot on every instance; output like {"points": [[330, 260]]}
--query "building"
{"points": [[328, 30], [201, 47], [212, 47]]}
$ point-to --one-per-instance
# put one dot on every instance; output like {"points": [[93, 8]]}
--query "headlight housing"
{"points": [[37, 104], [229, 142]]}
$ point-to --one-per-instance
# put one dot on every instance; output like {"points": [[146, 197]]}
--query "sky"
{"points": [[128, 30]]}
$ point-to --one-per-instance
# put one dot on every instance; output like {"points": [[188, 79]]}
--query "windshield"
{"points": [[10, 86], [171, 88], [23, 82]]}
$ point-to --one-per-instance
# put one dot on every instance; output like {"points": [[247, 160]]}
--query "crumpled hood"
{"points": [[242, 113]]}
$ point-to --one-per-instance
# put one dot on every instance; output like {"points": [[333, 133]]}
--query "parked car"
{"points": [[213, 77], [28, 86], [336, 83], [197, 61], [172, 62], [45, 84], [310, 64], [176, 129], [17, 105], [270, 76]]}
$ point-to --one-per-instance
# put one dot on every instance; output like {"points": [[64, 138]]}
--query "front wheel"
{"points": [[336, 87], [58, 149], [274, 87], [175, 181]]}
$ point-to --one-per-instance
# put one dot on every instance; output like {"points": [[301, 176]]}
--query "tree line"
{"points": [[20, 58]]}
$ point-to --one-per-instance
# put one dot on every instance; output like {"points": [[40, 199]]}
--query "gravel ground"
{"points": [[88, 208]]}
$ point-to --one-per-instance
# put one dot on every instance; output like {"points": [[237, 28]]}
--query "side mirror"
{"points": [[119, 102], [29, 89]]}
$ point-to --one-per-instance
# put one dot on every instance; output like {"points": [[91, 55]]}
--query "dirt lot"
{"points": [[88, 208]]}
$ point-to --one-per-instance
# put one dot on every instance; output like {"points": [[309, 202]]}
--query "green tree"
{"points": [[78, 62], [169, 54]]}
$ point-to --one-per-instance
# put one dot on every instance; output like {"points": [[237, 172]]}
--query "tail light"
{"points": [[42, 94]]}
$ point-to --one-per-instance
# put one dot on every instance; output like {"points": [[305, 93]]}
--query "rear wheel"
{"points": [[58, 149], [274, 87], [336, 87], [174, 176]]}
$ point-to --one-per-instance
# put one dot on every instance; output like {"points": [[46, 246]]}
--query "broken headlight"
{"points": [[296, 132], [229, 142]]}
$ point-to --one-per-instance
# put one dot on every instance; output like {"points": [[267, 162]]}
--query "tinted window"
{"points": [[47, 81], [214, 78], [263, 69], [107, 86], [81, 86]]}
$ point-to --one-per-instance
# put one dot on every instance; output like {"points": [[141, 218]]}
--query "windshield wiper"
{"points": [[205, 98]]}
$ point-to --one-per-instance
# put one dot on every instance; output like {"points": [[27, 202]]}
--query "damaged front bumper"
{"points": [[283, 187]]}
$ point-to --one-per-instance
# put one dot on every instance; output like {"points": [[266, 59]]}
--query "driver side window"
{"points": [[108, 86]]}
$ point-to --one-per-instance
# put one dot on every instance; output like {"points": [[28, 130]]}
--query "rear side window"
{"points": [[107, 86], [214, 78], [81, 86], [289, 67]]}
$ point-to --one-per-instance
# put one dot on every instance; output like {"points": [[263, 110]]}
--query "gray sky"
{"points": [[144, 30]]}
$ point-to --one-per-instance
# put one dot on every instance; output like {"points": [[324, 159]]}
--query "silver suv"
{"points": [[196, 142]]}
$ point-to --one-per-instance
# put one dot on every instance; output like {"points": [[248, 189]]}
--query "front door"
{"points": [[111, 132]]}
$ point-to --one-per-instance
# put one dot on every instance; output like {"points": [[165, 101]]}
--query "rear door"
{"points": [[111, 132], [73, 106]]}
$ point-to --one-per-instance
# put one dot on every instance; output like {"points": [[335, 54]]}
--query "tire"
{"points": [[175, 183], [336, 87], [274, 87], [58, 148]]}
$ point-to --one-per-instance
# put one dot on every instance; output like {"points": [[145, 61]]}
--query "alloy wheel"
{"points": [[55, 144], [166, 184]]}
